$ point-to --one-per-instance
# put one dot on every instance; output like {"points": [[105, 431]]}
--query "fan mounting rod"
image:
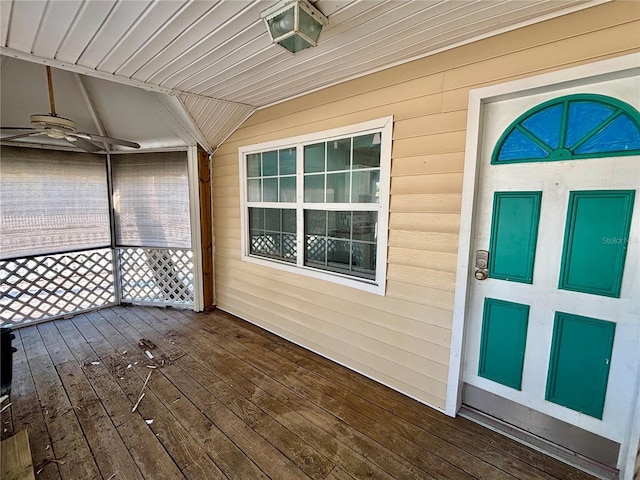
{"points": [[52, 104]]}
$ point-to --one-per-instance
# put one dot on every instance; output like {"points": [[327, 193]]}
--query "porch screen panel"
{"points": [[151, 200], [52, 202]]}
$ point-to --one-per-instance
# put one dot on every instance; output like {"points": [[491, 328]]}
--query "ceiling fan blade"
{"points": [[113, 141], [32, 133], [83, 144], [18, 128]]}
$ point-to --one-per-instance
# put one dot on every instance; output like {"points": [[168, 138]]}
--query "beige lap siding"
{"points": [[401, 339]]}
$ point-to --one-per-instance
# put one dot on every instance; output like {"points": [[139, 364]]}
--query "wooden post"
{"points": [[206, 229]]}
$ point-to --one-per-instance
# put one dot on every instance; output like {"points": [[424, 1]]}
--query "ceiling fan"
{"points": [[54, 126]]}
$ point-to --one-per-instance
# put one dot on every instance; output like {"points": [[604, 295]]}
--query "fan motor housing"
{"points": [[54, 126]]}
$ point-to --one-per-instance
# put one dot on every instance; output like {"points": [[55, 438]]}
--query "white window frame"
{"points": [[382, 125]]}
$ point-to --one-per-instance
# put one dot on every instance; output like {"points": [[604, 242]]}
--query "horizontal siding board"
{"points": [[426, 202], [426, 336], [326, 117], [435, 279], [419, 184], [430, 124], [224, 242], [226, 159], [437, 143], [419, 294], [428, 164], [445, 262], [230, 191], [226, 181], [224, 202], [224, 169], [425, 222], [433, 241], [228, 212]]}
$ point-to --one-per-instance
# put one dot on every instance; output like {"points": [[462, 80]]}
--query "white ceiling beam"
{"points": [[89, 102], [181, 122]]}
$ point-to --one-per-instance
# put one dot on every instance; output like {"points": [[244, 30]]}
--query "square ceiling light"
{"points": [[294, 24]]}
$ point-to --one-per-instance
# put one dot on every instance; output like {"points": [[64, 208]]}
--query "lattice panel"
{"points": [[264, 244], [52, 286], [156, 276], [316, 248], [289, 247]]}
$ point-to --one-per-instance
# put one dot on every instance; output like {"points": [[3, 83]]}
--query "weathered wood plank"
{"points": [[27, 414], [338, 474], [67, 440]]}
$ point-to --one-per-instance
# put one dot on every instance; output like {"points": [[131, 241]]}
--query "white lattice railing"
{"points": [[52, 286], [156, 276]]}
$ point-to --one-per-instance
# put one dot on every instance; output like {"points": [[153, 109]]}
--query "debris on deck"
{"points": [[146, 344], [141, 396]]}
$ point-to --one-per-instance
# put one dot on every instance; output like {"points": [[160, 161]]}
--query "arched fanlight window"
{"points": [[571, 128]]}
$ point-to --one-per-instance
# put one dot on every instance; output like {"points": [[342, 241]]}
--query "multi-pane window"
{"points": [[319, 203], [272, 233], [271, 176], [341, 241]]}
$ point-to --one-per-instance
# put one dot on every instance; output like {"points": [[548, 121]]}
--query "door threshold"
{"points": [[535, 442]]}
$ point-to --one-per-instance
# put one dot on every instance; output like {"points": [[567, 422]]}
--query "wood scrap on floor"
{"points": [[141, 396], [47, 461]]}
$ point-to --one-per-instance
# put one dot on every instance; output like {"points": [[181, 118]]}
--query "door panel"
{"points": [[555, 328], [503, 341], [595, 241], [579, 364], [514, 234]]}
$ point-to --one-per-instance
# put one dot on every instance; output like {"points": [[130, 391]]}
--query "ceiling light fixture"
{"points": [[294, 24]]}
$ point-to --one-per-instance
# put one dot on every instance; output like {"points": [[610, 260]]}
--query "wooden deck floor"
{"points": [[229, 400]]}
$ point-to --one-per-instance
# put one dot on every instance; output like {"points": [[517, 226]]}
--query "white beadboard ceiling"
{"points": [[216, 56]]}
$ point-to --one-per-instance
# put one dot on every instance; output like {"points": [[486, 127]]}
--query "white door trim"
{"points": [[585, 74]]}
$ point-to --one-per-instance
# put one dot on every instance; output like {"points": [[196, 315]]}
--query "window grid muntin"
{"points": [[260, 178], [261, 236], [329, 238], [301, 205], [353, 169]]}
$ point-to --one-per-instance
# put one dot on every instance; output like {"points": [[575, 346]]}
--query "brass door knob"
{"points": [[480, 274]]}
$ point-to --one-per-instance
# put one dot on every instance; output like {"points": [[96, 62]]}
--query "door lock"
{"points": [[482, 263], [482, 259]]}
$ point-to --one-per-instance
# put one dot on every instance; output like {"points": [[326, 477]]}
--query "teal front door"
{"points": [[553, 322]]}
